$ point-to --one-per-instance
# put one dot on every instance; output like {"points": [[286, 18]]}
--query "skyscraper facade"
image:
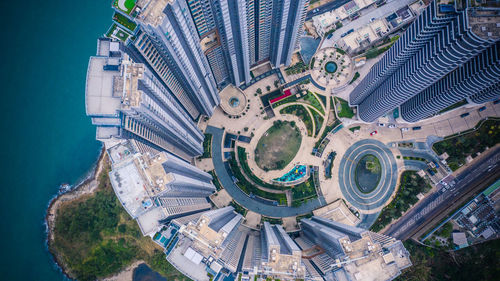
{"points": [[148, 188], [249, 33], [126, 101], [438, 61], [164, 37]]}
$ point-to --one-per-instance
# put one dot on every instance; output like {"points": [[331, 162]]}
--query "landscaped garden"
{"points": [[124, 21], [124, 5], [207, 146], [411, 184], [250, 188], [301, 112], [303, 192], [461, 145], [367, 173], [278, 146]]}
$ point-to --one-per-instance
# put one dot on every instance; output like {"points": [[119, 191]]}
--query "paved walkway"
{"points": [[243, 199], [389, 173]]}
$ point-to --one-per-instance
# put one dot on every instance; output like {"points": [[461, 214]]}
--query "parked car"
{"points": [[464, 115], [381, 124], [373, 133], [391, 126], [416, 128], [482, 108], [405, 129]]}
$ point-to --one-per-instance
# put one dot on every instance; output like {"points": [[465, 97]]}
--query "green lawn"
{"points": [[278, 146], [127, 23], [411, 184], [345, 110], [127, 7], [312, 100], [302, 113], [353, 129], [459, 147]]}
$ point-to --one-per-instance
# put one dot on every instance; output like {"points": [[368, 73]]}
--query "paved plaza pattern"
{"points": [[387, 184]]}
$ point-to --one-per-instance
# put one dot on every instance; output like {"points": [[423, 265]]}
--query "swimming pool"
{"points": [[298, 172]]}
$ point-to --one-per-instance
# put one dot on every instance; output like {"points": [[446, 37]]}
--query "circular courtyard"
{"points": [[233, 101], [332, 67], [278, 146], [367, 174]]}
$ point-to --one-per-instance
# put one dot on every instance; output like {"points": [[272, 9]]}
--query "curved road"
{"points": [[243, 199], [386, 185]]}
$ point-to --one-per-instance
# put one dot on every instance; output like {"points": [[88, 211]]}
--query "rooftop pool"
{"points": [[297, 173]]}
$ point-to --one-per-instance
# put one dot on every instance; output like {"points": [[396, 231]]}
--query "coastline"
{"points": [[86, 187]]}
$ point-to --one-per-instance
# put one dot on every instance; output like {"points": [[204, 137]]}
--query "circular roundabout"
{"points": [[367, 174]]}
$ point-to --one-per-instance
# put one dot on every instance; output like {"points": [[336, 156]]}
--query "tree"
{"points": [[259, 91], [276, 83], [268, 88]]}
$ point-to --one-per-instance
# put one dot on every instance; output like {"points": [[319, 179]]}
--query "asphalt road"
{"points": [[439, 201], [325, 8], [347, 173]]}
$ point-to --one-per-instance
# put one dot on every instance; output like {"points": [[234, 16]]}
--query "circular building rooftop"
{"points": [[232, 100]]}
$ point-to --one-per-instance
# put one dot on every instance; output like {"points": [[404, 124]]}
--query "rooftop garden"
{"points": [[126, 6], [124, 21]]}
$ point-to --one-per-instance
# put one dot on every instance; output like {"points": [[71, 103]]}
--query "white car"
{"points": [[391, 126], [381, 124], [405, 129]]}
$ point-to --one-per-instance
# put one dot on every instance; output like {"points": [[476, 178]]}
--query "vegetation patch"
{"points": [[238, 208], [126, 22], [278, 146], [301, 112], [249, 188], [311, 99], [303, 192], [95, 237], [242, 158], [459, 146], [271, 220], [367, 173], [354, 78], [478, 262], [354, 129], [297, 68], [215, 180], [453, 106], [411, 184], [207, 146], [345, 111]]}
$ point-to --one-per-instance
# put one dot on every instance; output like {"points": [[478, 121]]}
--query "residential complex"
{"points": [[343, 252], [154, 189], [449, 54], [284, 184], [127, 101]]}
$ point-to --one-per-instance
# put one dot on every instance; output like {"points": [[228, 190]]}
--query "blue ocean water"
{"points": [[46, 139]]}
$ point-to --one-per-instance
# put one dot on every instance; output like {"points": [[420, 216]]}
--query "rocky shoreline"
{"points": [[87, 187]]}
